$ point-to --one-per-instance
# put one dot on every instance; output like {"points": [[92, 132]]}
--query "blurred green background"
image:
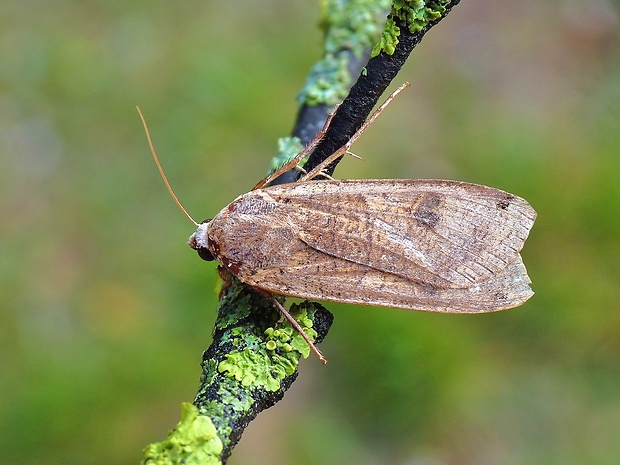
{"points": [[105, 311]]}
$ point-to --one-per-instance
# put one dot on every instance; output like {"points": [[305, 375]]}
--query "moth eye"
{"points": [[205, 254]]}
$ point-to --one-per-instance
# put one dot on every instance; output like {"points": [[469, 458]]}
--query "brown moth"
{"points": [[430, 245]]}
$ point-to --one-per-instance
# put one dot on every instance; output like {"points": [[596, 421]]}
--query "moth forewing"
{"points": [[337, 280], [444, 233], [421, 244]]}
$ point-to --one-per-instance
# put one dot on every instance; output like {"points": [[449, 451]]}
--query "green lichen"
{"points": [[252, 354], [348, 26], [233, 398], [276, 358], [234, 306], [352, 24], [288, 148], [251, 369], [328, 82], [388, 40], [416, 14], [232, 402], [209, 371], [194, 441]]}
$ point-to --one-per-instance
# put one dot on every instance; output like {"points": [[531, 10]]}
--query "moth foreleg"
{"points": [[227, 279]]}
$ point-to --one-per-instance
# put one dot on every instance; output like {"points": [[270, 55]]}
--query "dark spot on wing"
{"points": [[429, 289], [505, 202], [426, 214]]}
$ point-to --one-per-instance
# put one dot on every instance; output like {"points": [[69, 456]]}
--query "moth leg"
{"points": [[345, 149], [303, 154], [227, 278], [324, 175], [295, 325]]}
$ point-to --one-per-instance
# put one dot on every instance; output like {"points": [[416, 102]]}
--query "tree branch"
{"points": [[406, 27], [351, 28], [254, 356]]}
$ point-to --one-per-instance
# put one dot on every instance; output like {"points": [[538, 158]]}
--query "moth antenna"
{"points": [[354, 155], [161, 170]]}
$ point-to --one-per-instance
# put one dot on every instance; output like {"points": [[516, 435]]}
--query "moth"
{"points": [[430, 245]]}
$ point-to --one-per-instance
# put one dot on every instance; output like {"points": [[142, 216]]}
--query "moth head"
{"points": [[199, 241]]}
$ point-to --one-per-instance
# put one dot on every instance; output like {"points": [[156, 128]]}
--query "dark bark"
{"points": [[365, 93]]}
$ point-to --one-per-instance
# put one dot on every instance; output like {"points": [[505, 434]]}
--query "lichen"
{"points": [[328, 81], [231, 397], [416, 14], [352, 24], [388, 40], [253, 354], [235, 306], [194, 441], [288, 148], [276, 358], [349, 26], [209, 371]]}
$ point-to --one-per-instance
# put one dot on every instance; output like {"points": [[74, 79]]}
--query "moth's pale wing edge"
{"points": [[333, 279]]}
